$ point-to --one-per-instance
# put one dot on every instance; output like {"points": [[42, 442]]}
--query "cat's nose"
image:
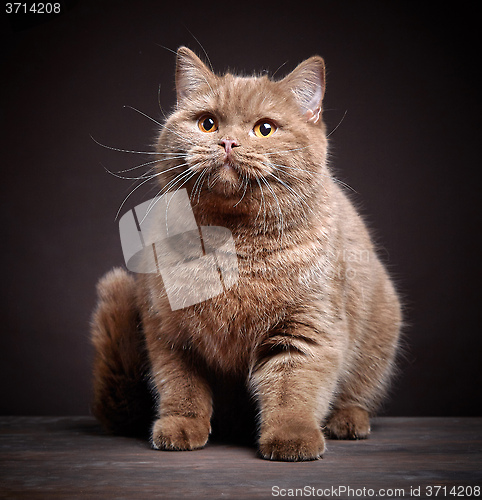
{"points": [[228, 144]]}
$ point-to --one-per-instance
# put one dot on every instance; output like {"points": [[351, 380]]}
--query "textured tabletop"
{"points": [[70, 457]]}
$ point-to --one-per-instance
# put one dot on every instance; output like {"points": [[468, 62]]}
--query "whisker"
{"points": [[159, 194], [143, 176], [339, 123], [127, 197], [280, 214], [198, 185], [263, 204], [333, 178], [201, 185], [143, 114], [160, 124], [302, 200], [279, 67], [206, 169], [286, 151], [210, 186], [203, 49], [344, 184], [140, 152], [271, 164], [124, 150], [172, 154], [142, 183], [159, 102], [187, 179], [143, 165], [193, 192], [167, 48], [246, 182]]}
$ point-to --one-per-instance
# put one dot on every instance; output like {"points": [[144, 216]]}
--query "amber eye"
{"points": [[207, 123], [264, 129]]}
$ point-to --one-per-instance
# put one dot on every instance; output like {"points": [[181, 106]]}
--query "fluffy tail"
{"points": [[123, 402]]}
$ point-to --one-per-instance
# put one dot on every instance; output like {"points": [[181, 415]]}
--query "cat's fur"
{"points": [[312, 325]]}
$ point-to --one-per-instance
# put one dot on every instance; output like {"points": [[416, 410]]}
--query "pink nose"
{"points": [[228, 144]]}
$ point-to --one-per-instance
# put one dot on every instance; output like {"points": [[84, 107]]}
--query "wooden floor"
{"points": [[70, 457]]}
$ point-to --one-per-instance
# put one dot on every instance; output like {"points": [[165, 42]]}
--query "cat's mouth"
{"points": [[228, 172], [226, 178]]}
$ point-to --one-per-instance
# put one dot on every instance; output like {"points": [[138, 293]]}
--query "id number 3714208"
{"points": [[32, 8]]}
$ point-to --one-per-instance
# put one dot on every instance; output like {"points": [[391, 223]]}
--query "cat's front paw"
{"points": [[179, 433], [292, 442], [348, 423]]}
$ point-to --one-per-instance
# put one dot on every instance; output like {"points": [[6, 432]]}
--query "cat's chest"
{"points": [[227, 328]]}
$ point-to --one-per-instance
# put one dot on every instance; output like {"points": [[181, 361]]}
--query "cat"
{"points": [[311, 326]]}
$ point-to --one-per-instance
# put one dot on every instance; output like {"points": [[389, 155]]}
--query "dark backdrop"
{"points": [[408, 146]]}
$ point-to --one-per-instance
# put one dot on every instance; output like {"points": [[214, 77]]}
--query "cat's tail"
{"points": [[123, 402]]}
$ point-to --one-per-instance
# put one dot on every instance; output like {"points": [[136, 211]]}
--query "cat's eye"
{"points": [[264, 128], [207, 123]]}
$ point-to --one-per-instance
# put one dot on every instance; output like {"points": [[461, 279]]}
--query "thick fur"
{"points": [[123, 402], [310, 328]]}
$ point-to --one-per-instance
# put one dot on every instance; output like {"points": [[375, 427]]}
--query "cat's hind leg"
{"points": [[367, 379], [360, 394], [122, 400]]}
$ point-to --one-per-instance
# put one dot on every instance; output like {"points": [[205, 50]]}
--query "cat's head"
{"points": [[244, 141]]}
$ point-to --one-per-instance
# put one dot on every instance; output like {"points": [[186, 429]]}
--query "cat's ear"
{"points": [[191, 73], [307, 82]]}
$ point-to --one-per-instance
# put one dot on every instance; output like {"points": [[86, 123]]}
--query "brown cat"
{"points": [[311, 324]]}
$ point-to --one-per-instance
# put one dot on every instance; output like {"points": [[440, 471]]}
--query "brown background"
{"points": [[409, 146]]}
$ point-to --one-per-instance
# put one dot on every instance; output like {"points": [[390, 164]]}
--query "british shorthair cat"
{"points": [[311, 325]]}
